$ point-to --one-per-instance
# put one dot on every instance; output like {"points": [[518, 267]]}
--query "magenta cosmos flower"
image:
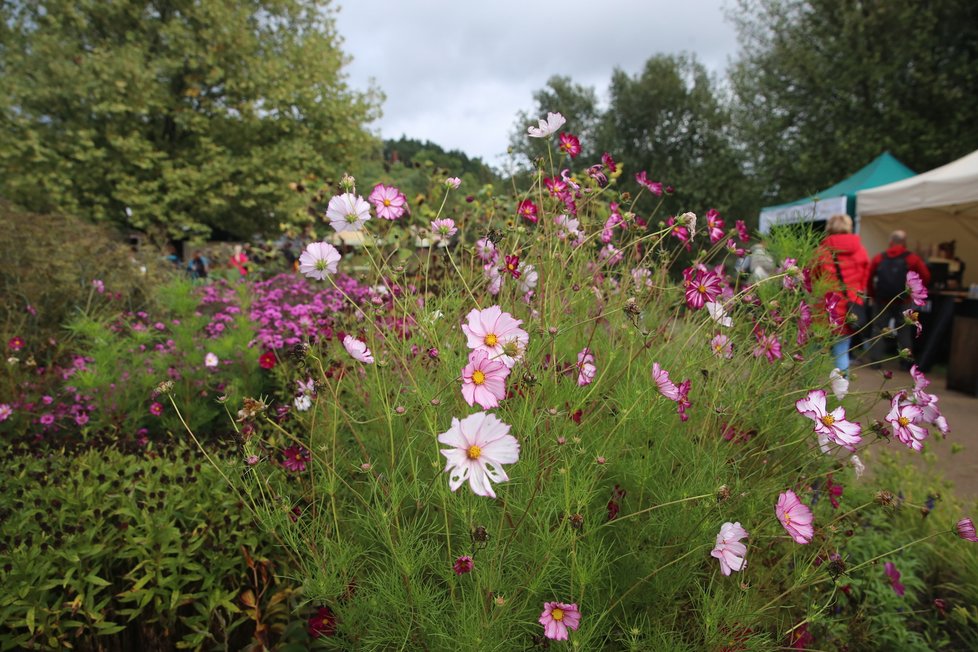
{"points": [[547, 127], [918, 292], [701, 287], [768, 346], [319, 260], [347, 212], [569, 144], [729, 550], [389, 202], [831, 425], [905, 418], [586, 369], [557, 618], [714, 225], [891, 571], [795, 516], [655, 187], [484, 380], [480, 445], [463, 565], [528, 211], [496, 332], [156, 409], [357, 350], [294, 458], [15, 343], [966, 530]]}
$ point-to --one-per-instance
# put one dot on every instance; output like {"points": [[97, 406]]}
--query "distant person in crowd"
{"points": [[842, 258], [760, 265], [239, 260], [953, 277], [198, 266], [888, 280], [288, 255], [171, 255]]}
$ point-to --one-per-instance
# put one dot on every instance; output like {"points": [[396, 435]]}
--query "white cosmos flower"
{"points": [[480, 445], [857, 465], [211, 360], [547, 127], [840, 384], [718, 314], [347, 212], [302, 403], [319, 260]]}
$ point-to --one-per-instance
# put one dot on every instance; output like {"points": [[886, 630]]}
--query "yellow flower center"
{"points": [[787, 518], [387, 202], [701, 289], [828, 419], [491, 339], [474, 452], [903, 421], [478, 377], [557, 614]]}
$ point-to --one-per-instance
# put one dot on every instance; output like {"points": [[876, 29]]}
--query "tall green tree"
{"points": [[824, 86], [182, 116]]}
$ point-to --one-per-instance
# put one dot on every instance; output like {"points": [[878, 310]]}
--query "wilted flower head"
{"points": [[250, 408], [547, 127], [463, 565], [839, 383]]}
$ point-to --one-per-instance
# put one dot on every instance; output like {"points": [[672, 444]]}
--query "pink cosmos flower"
{"points": [[512, 266], [804, 323], [453, 182], [389, 202], [682, 403], [966, 530], [655, 187], [714, 226], [767, 345], [830, 425], [795, 516], [357, 350], [528, 211], [211, 360], [347, 212], [47, 418], [484, 380], [557, 618], [294, 458], [742, 232], [918, 292], [611, 255], [835, 309], [890, 569], [905, 419], [722, 346], [319, 260], [728, 550], [98, 285], [15, 343], [680, 231], [480, 445], [547, 127], [586, 369], [443, 229], [498, 333], [5, 411], [666, 387], [555, 186], [463, 565], [486, 250], [495, 278], [569, 144], [156, 409], [701, 286], [609, 162], [733, 249]]}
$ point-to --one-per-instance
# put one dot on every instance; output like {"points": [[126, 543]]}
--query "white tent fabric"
{"points": [[933, 207]]}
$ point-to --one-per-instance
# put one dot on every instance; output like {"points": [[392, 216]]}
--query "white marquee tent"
{"points": [[932, 207]]}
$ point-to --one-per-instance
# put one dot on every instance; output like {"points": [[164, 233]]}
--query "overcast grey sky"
{"points": [[457, 72]]}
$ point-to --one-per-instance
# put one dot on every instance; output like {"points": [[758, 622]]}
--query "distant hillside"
{"points": [[415, 153]]}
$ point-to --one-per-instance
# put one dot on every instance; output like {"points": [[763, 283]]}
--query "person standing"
{"points": [[842, 258], [239, 260], [888, 281]]}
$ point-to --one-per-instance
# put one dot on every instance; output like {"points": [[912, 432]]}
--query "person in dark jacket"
{"points": [[842, 259], [886, 273]]}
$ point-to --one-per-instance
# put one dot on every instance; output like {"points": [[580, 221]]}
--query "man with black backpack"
{"points": [[888, 280]]}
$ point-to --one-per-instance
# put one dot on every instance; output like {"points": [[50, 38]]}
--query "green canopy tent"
{"points": [[840, 198]]}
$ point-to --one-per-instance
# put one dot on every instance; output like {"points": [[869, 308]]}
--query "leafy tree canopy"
{"points": [[176, 116], [824, 86]]}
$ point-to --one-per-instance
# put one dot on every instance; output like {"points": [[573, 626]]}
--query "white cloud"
{"points": [[456, 73]]}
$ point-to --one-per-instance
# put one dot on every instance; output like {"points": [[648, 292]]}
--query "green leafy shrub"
{"points": [[109, 551]]}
